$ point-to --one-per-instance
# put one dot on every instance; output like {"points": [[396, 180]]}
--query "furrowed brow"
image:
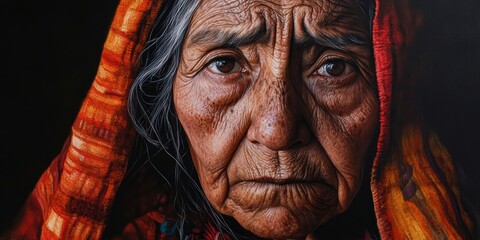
{"points": [[222, 38]]}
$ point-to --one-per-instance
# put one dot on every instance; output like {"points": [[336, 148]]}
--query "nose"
{"points": [[278, 123]]}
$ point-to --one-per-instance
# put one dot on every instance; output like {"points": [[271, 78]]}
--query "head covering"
{"points": [[413, 179]]}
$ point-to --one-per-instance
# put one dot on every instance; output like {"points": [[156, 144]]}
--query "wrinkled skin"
{"points": [[278, 102]]}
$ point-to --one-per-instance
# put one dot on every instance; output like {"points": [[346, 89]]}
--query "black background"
{"points": [[50, 51]]}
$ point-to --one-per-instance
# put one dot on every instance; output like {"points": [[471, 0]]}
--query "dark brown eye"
{"points": [[335, 68], [224, 65]]}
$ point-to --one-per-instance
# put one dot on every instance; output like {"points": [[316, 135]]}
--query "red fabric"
{"points": [[383, 42], [413, 181], [389, 40]]}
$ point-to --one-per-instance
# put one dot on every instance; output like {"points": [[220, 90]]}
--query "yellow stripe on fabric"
{"points": [[98, 95], [96, 147], [54, 223]]}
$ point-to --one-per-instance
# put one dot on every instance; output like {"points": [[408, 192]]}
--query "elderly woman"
{"points": [[250, 119]]}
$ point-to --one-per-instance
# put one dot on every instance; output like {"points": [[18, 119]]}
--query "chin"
{"points": [[275, 208], [280, 222], [281, 211]]}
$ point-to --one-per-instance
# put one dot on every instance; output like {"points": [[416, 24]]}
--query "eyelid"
{"points": [[220, 56], [211, 56], [348, 69], [210, 66], [224, 53], [327, 55]]}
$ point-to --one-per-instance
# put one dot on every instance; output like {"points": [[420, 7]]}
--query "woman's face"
{"points": [[278, 102]]}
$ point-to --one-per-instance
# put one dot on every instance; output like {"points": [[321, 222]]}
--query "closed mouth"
{"points": [[282, 181], [265, 192]]}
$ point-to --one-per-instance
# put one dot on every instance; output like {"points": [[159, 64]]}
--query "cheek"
{"points": [[205, 110], [345, 118], [360, 126], [349, 120], [210, 118], [362, 120]]}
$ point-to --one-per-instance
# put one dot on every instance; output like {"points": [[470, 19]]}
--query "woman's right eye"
{"points": [[224, 65]]}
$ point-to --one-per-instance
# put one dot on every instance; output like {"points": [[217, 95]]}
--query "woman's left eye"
{"points": [[335, 68], [224, 65]]}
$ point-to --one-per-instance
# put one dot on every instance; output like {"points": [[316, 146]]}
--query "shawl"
{"points": [[413, 184]]}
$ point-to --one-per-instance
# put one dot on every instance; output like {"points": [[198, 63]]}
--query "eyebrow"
{"points": [[222, 38], [227, 39], [337, 41]]}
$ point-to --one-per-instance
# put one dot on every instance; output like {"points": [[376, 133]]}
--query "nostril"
{"points": [[279, 135], [304, 135], [296, 145]]}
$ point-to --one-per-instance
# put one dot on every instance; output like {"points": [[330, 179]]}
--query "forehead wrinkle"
{"points": [[339, 14], [221, 37], [229, 25], [235, 22], [341, 26], [220, 11]]}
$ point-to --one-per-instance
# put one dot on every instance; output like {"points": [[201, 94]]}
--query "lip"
{"points": [[290, 179], [266, 193], [282, 181]]}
